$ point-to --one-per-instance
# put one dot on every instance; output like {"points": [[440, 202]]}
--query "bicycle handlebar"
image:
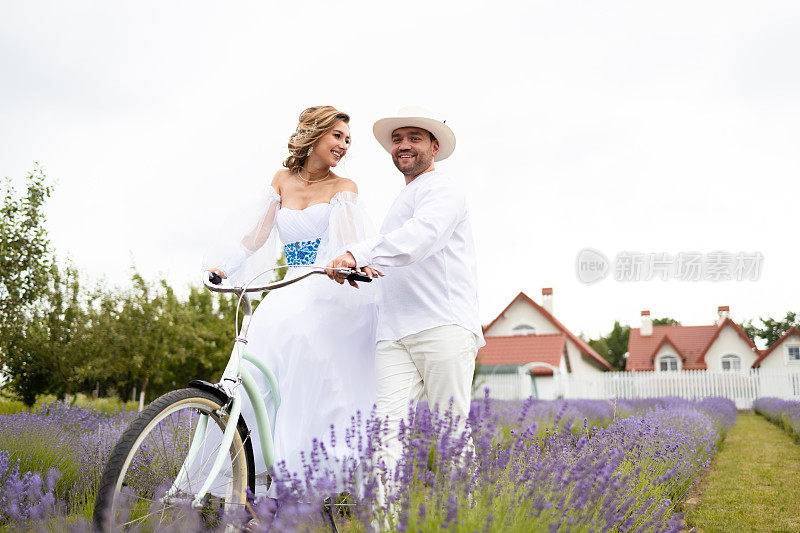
{"points": [[213, 281]]}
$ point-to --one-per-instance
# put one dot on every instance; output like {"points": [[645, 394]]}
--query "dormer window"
{"points": [[731, 363], [668, 363], [523, 329]]}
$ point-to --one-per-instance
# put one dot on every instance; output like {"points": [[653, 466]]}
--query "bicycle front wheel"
{"points": [[145, 482]]}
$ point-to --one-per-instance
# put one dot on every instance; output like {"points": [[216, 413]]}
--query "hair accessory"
{"points": [[301, 134]]}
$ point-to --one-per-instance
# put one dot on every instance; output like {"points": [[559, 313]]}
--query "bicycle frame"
{"points": [[233, 375]]}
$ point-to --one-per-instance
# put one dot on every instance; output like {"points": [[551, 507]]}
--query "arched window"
{"points": [[523, 329], [667, 363], [731, 363]]}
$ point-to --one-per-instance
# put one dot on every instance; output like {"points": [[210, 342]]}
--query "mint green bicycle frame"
{"points": [[233, 375]]}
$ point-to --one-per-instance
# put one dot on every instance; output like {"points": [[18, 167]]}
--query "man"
{"points": [[428, 327]]}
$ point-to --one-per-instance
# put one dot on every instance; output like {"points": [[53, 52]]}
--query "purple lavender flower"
{"points": [[783, 413], [566, 464]]}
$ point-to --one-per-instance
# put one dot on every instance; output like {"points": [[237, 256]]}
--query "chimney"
{"points": [[547, 299], [723, 312], [647, 324]]}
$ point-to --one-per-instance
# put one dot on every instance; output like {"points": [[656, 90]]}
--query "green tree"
{"points": [[771, 329], [26, 268], [56, 337], [202, 340], [25, 255], [147, 338], [129, 335], [55, 342], [142, 330], [666, 321], [612, 347]]}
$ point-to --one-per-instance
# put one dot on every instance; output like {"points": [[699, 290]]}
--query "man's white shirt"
{"points": [[427, 253]]}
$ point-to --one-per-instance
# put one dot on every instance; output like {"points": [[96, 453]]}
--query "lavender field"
{"points": [[783, 413], [564, 465]]}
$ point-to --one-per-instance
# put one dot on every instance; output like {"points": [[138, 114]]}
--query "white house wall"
{"points": [[729, 342], [667, 349], [546, 387], [579, 363], [521, 312], [779, 358]]}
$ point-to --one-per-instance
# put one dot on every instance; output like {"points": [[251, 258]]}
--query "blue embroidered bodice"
{"points": [[302, 252]]}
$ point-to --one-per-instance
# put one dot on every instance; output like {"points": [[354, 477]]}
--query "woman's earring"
{"points": [[310, 149]]}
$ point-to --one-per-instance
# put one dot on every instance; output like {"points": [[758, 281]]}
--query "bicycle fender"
{"points": [[210, 387]]}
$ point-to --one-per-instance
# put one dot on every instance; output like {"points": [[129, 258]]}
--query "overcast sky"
{"points": [[656, 127]]}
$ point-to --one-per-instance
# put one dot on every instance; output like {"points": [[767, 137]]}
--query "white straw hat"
{"points": [[420, 118]]}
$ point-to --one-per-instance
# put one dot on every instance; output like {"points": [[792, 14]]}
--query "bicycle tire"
{"points": [[127, 493]]}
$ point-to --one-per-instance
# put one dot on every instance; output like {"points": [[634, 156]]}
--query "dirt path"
{"points": [[754, 482]]}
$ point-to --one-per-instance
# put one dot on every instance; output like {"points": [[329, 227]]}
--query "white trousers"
{"points": [[437, 363]]}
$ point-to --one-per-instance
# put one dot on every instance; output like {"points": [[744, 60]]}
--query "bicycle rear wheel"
{"points": [[135, 488]]}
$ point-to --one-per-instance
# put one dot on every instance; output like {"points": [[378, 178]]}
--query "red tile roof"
{"points": [[585, 349], [666, 340], [691, 343], [765, 353], [521, 349]]}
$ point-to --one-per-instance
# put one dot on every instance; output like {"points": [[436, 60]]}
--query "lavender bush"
{"points": [[563, 465], [536, 466], [70, 440], [26, 496], [783, 413]]}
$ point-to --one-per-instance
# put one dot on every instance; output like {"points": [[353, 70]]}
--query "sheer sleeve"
{"points": [[248, 245], [349, 223]]}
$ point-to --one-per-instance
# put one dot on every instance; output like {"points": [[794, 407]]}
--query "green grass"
{"points": [[754, 482]]}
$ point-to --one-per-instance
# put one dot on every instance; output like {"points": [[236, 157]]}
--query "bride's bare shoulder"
{"points": [[346, 184], [279, 179]]}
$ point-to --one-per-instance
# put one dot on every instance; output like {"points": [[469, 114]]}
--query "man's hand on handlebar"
{"points": [[219, 274], [347, 260]]}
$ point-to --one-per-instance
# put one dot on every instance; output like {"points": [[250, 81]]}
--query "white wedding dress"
{"points": [[317, 337]]}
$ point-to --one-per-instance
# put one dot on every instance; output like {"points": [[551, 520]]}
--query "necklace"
{"points": [[313, 181]]}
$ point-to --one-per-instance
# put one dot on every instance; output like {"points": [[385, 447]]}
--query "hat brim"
{"points": [[384, 127]]}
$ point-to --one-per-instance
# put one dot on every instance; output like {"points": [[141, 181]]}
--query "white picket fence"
{"points": [[743, 388]]}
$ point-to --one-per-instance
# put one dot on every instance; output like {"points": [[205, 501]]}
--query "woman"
{"points": [[316, 336]]}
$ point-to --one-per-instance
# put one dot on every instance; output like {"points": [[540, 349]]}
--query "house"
{"points": [[528, 349], [784, 354], [721, 347]]}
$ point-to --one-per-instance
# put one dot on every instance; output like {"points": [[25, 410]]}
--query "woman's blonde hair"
{"points": [[314, 123]]}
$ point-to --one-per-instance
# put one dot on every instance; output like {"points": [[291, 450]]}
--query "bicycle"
{"points": [[150, 454]]}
